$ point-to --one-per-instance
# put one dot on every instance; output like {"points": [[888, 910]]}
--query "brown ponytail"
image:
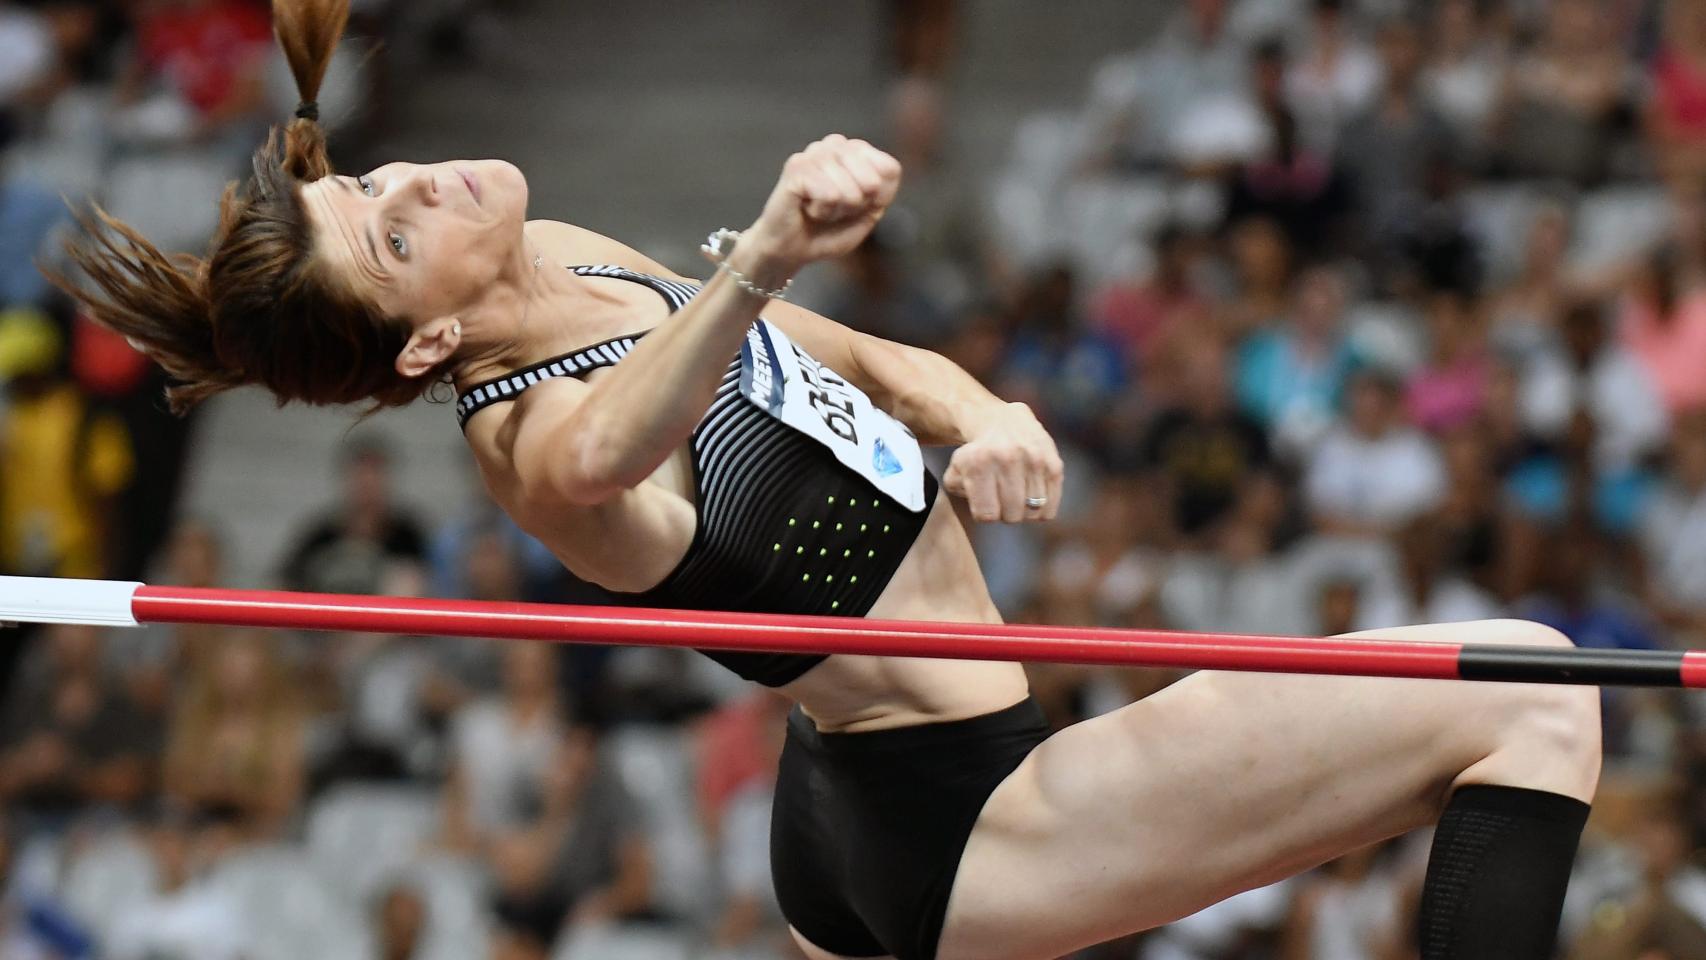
{"points": [[259, 308]]}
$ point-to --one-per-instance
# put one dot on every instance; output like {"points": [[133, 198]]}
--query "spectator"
{"points": [[1574, 599], [1676, 111], [1562, 96], [1450, 391], [1293, 181], [1371, 474], [1106, 572], [737, 749], [937, 225], [1350, 909], [365, 544], [70, 737], [30, 214], [1145, 316], [879, 295], [1465, 70], [1242, 586], [1289, 377], [1525, 313], [1470, 521], [1067, 374], [151, 657], [1334, 77], [1338, 606], [1199, 452], [1661, 918], [580, 860], [187, 915], [26, 61], [1390, 149], [1588, 371], [922, 35], [1663, 323], [1673, 535], [401, 924], [1181, 100], [62, 462], [1433, 591], [1262, 277], [198, 73], [502, 748], [235, 751]]}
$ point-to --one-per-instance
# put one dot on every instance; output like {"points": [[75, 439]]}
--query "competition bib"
{"points": [[785, 382]]}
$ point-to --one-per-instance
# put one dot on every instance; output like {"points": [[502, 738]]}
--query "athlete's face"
{"points": [[421, 242]]}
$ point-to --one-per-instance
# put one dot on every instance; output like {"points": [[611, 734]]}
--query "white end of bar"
{"points": [[102, 603]]}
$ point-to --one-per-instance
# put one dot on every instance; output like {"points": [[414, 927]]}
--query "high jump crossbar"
{"points": [[112, 603]]}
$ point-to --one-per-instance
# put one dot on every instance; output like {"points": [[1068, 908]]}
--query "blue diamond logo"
{"points": [[883, 460]]}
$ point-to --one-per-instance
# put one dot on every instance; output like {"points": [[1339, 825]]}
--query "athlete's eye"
{"points": [[366, 184], [400, 245]]}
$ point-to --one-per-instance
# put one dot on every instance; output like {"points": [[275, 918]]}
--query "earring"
{"points": [[456, 329]]}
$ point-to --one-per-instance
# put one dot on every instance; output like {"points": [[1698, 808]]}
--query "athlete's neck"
{"points": [[545, 311]]}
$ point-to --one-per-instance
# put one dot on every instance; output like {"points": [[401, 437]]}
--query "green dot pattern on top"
{"points": [[840, 524]]}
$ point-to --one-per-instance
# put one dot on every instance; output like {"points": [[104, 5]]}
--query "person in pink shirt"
{"points": [[1452, 388], [1676, 113], [1664, 324]]}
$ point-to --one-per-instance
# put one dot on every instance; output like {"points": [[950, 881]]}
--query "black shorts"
{"points": [[867, 828]]}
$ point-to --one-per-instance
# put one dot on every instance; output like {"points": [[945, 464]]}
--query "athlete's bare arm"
{"points": [[1005, 456], [609, 436]]}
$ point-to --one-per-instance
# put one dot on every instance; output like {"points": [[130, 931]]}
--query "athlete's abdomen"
{"points": [[938, 580]]}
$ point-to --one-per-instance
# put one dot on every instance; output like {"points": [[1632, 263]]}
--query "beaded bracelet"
{"points": [[717, 248]]}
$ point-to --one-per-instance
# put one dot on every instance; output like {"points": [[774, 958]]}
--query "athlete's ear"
{"points": [[429, 345]]}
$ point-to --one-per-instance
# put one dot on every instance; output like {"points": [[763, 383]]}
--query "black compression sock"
{"points": [[1501, 860]]}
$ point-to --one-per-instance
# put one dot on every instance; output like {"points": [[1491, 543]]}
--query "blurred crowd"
{"points": [[1345, 313]]}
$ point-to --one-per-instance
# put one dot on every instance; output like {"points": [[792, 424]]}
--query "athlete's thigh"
{"points": [[1219, 783]]}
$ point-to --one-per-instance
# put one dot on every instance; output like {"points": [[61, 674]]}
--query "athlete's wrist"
{"points": [[764, 256], [976, 417]]}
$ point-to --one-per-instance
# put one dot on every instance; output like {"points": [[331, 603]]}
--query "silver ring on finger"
{"points": [[1036, 503]]}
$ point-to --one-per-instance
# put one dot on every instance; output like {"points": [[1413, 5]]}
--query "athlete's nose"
{"points": [[427, 183]]}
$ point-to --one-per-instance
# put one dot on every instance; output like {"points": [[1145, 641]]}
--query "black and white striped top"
{"points": [[783, 527], [572, 364]]}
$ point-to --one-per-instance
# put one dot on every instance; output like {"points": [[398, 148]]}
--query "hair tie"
{"points": [[308, 110]]}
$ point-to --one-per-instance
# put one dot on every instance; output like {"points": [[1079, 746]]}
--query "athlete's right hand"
{"points": [[829, 197]]}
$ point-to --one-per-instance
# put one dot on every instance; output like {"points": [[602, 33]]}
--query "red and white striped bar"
{"points": [[110, 603]]}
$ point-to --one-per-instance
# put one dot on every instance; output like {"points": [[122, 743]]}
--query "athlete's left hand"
{"points": [[1009, 459]]}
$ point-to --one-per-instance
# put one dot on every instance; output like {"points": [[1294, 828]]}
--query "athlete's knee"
{"points": [[1512, 632], [1557, 725]]}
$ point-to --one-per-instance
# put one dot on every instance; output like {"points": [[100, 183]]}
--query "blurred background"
{"points": [[1346, 314]]}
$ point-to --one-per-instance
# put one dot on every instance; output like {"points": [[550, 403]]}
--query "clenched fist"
{"points": [[829, 197], [1008, 464]]}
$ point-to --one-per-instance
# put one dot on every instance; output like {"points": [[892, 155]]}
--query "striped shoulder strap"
{"points": [[577, 364]]}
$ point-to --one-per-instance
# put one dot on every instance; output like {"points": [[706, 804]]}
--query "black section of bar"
{"points": [[1623, 668]]}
